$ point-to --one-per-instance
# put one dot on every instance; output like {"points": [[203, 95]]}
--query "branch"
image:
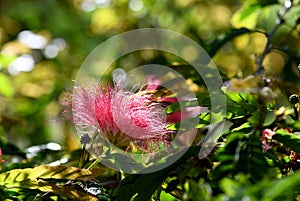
{"points": [[287, 6]]}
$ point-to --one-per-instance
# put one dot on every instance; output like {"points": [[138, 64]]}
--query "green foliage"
{"points": [[255, 45], [141, 187], [48, 179], [6, 89], [287, 139], [240, 188]]}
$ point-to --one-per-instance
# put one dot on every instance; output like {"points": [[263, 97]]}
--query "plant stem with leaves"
{"points": [[280, 20]]}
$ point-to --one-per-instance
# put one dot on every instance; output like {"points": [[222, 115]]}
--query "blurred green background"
{"points": [[44, 42]]}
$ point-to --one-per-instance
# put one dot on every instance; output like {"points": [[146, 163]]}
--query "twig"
{"points": [[287, 6], [81, 160]]}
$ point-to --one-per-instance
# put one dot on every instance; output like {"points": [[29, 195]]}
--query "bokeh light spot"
{"points": [[32, 40], [23, 63], [136, 5]]}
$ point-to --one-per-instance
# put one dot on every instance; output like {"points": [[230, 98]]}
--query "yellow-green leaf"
{"points": [[67, 191], [16, 176], [6, 87], [5, 59], [246, 17], [36, 178]]}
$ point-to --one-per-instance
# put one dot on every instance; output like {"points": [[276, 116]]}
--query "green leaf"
{"points": [[232, 188], [267, 20], [38, 178], [19, 177], [70, 192], [240, 188], [288, 139], [143, 186], [240, 104], [246, 126], [241, 97], [167, 197], [246, 17], [292, 123], [242, 154], [269, 119], [6, 87], [198, 191], [283, 189], [5, 59], [255, 118]]}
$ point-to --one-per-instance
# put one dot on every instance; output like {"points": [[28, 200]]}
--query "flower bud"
{"points": [[294, 99]]}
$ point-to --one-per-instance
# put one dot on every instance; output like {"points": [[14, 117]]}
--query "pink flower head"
{"points": [[265, 145], [122, 117], [185, 113], [153, 83], [267, 135]]}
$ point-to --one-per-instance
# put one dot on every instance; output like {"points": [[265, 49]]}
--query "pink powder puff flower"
{"points": [[122, 117], [267, 134], [265, 145], [153, 83], [185, 113]]}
